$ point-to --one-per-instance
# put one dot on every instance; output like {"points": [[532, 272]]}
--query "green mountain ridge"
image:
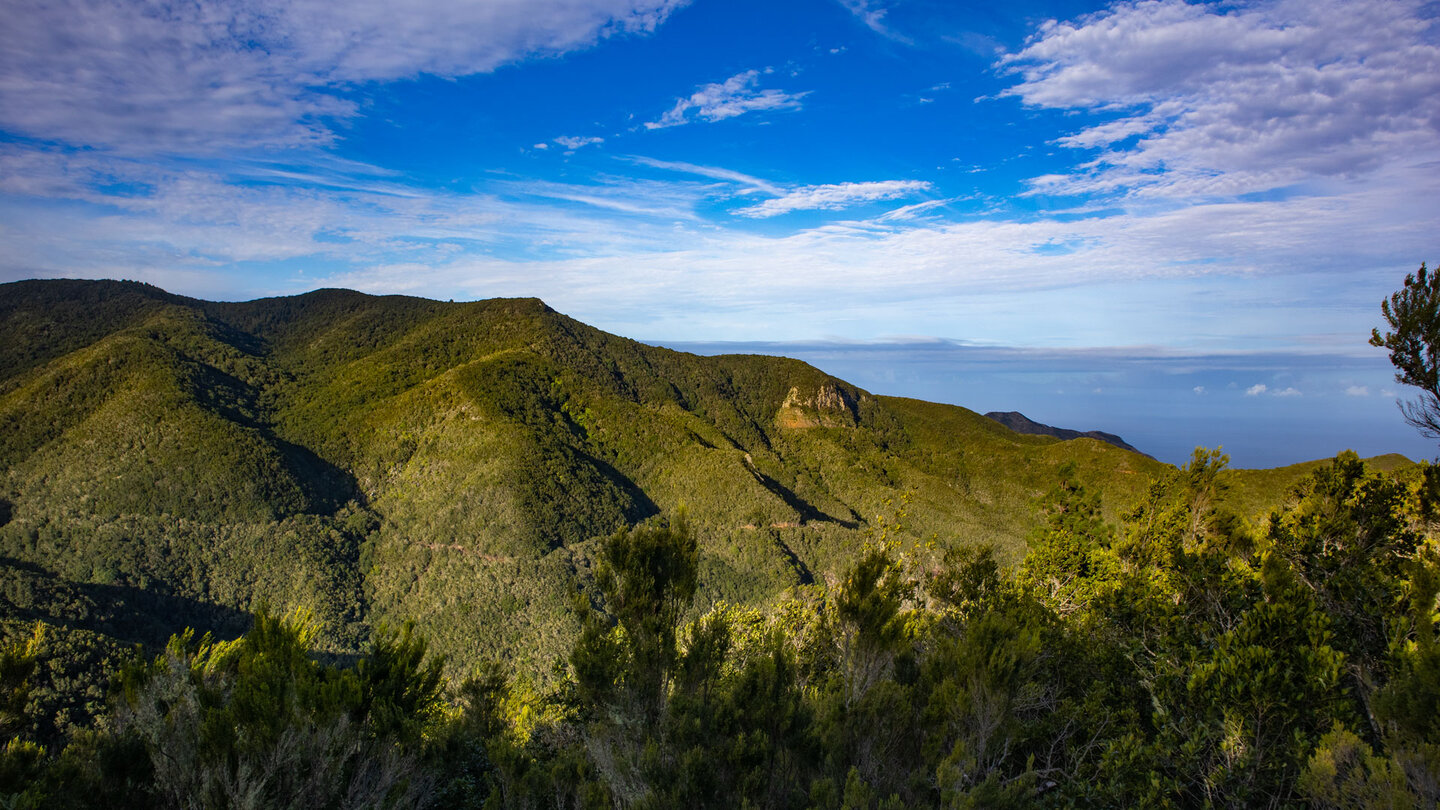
{"points": [[375, 459]]}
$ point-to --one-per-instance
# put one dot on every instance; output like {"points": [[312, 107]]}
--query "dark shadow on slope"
{"points": [[807, 511], [641, 507], [225, 332], [567, 494], [123, 612], [801, 569], [326, 486]]}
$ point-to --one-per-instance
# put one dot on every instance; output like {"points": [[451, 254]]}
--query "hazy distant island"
{"points": [[1020, 423]]}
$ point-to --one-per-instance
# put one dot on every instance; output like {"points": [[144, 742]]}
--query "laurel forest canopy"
{"points": [[1160, 644], [1182, 657]]}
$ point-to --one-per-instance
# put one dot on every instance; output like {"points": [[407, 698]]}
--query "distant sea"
{"points": [[1265, 410]]}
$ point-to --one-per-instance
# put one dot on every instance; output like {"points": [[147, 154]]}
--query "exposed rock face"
{"points": [[829, 406], [1020, 423]]}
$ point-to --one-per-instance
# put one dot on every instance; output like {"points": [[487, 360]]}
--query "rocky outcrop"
{"points": [[827, 406]]}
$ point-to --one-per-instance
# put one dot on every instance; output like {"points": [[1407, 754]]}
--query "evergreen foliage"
{"points": [[373, 460], [1413, 315], [1140, 636], [1186, 660]]}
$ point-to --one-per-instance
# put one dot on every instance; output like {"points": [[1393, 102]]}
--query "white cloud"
{"points": [[1212, 100], [872, 14], [735, 96], [1199, 389], [713, 172], [1357, 391], [580, 242], [161, 224], [984, 278], [908, 212], [833, 197], [542, 146], [577, 244], [1261, 388], [641, 200], [217, 76], [572, 142]]}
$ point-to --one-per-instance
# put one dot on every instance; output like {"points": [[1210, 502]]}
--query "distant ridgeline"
{"points": [[1020, 423], [169, 462]]}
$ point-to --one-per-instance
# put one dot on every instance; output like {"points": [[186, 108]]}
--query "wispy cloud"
{"points": [[655, 253], [909, 212], [737, 95], [579, 244], [1208, 99], [1256, 390], [248, 74], [834, 197], [573, 142], [113, 217], [872, 14], [713, 172]]}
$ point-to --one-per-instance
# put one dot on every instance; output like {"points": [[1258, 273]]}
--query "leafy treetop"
{"points": [[1413, 314]]}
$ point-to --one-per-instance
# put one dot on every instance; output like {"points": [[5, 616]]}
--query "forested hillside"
{"points": [[1178, 659], [372, 459], [649, 578]]}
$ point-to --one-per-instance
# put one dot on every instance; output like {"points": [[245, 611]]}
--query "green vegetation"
{"points": [[721, 581], [1413, 315], [1176, 658], [373, 459]]}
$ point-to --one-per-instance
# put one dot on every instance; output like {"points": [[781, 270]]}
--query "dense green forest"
{"points": [[1177, 658], [169, 463], [339, 550]]}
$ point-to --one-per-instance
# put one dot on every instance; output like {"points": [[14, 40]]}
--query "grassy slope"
{"points": [[376, 459]]}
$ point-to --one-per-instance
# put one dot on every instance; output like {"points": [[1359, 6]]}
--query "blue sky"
{"points": [[1173, 221]]}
